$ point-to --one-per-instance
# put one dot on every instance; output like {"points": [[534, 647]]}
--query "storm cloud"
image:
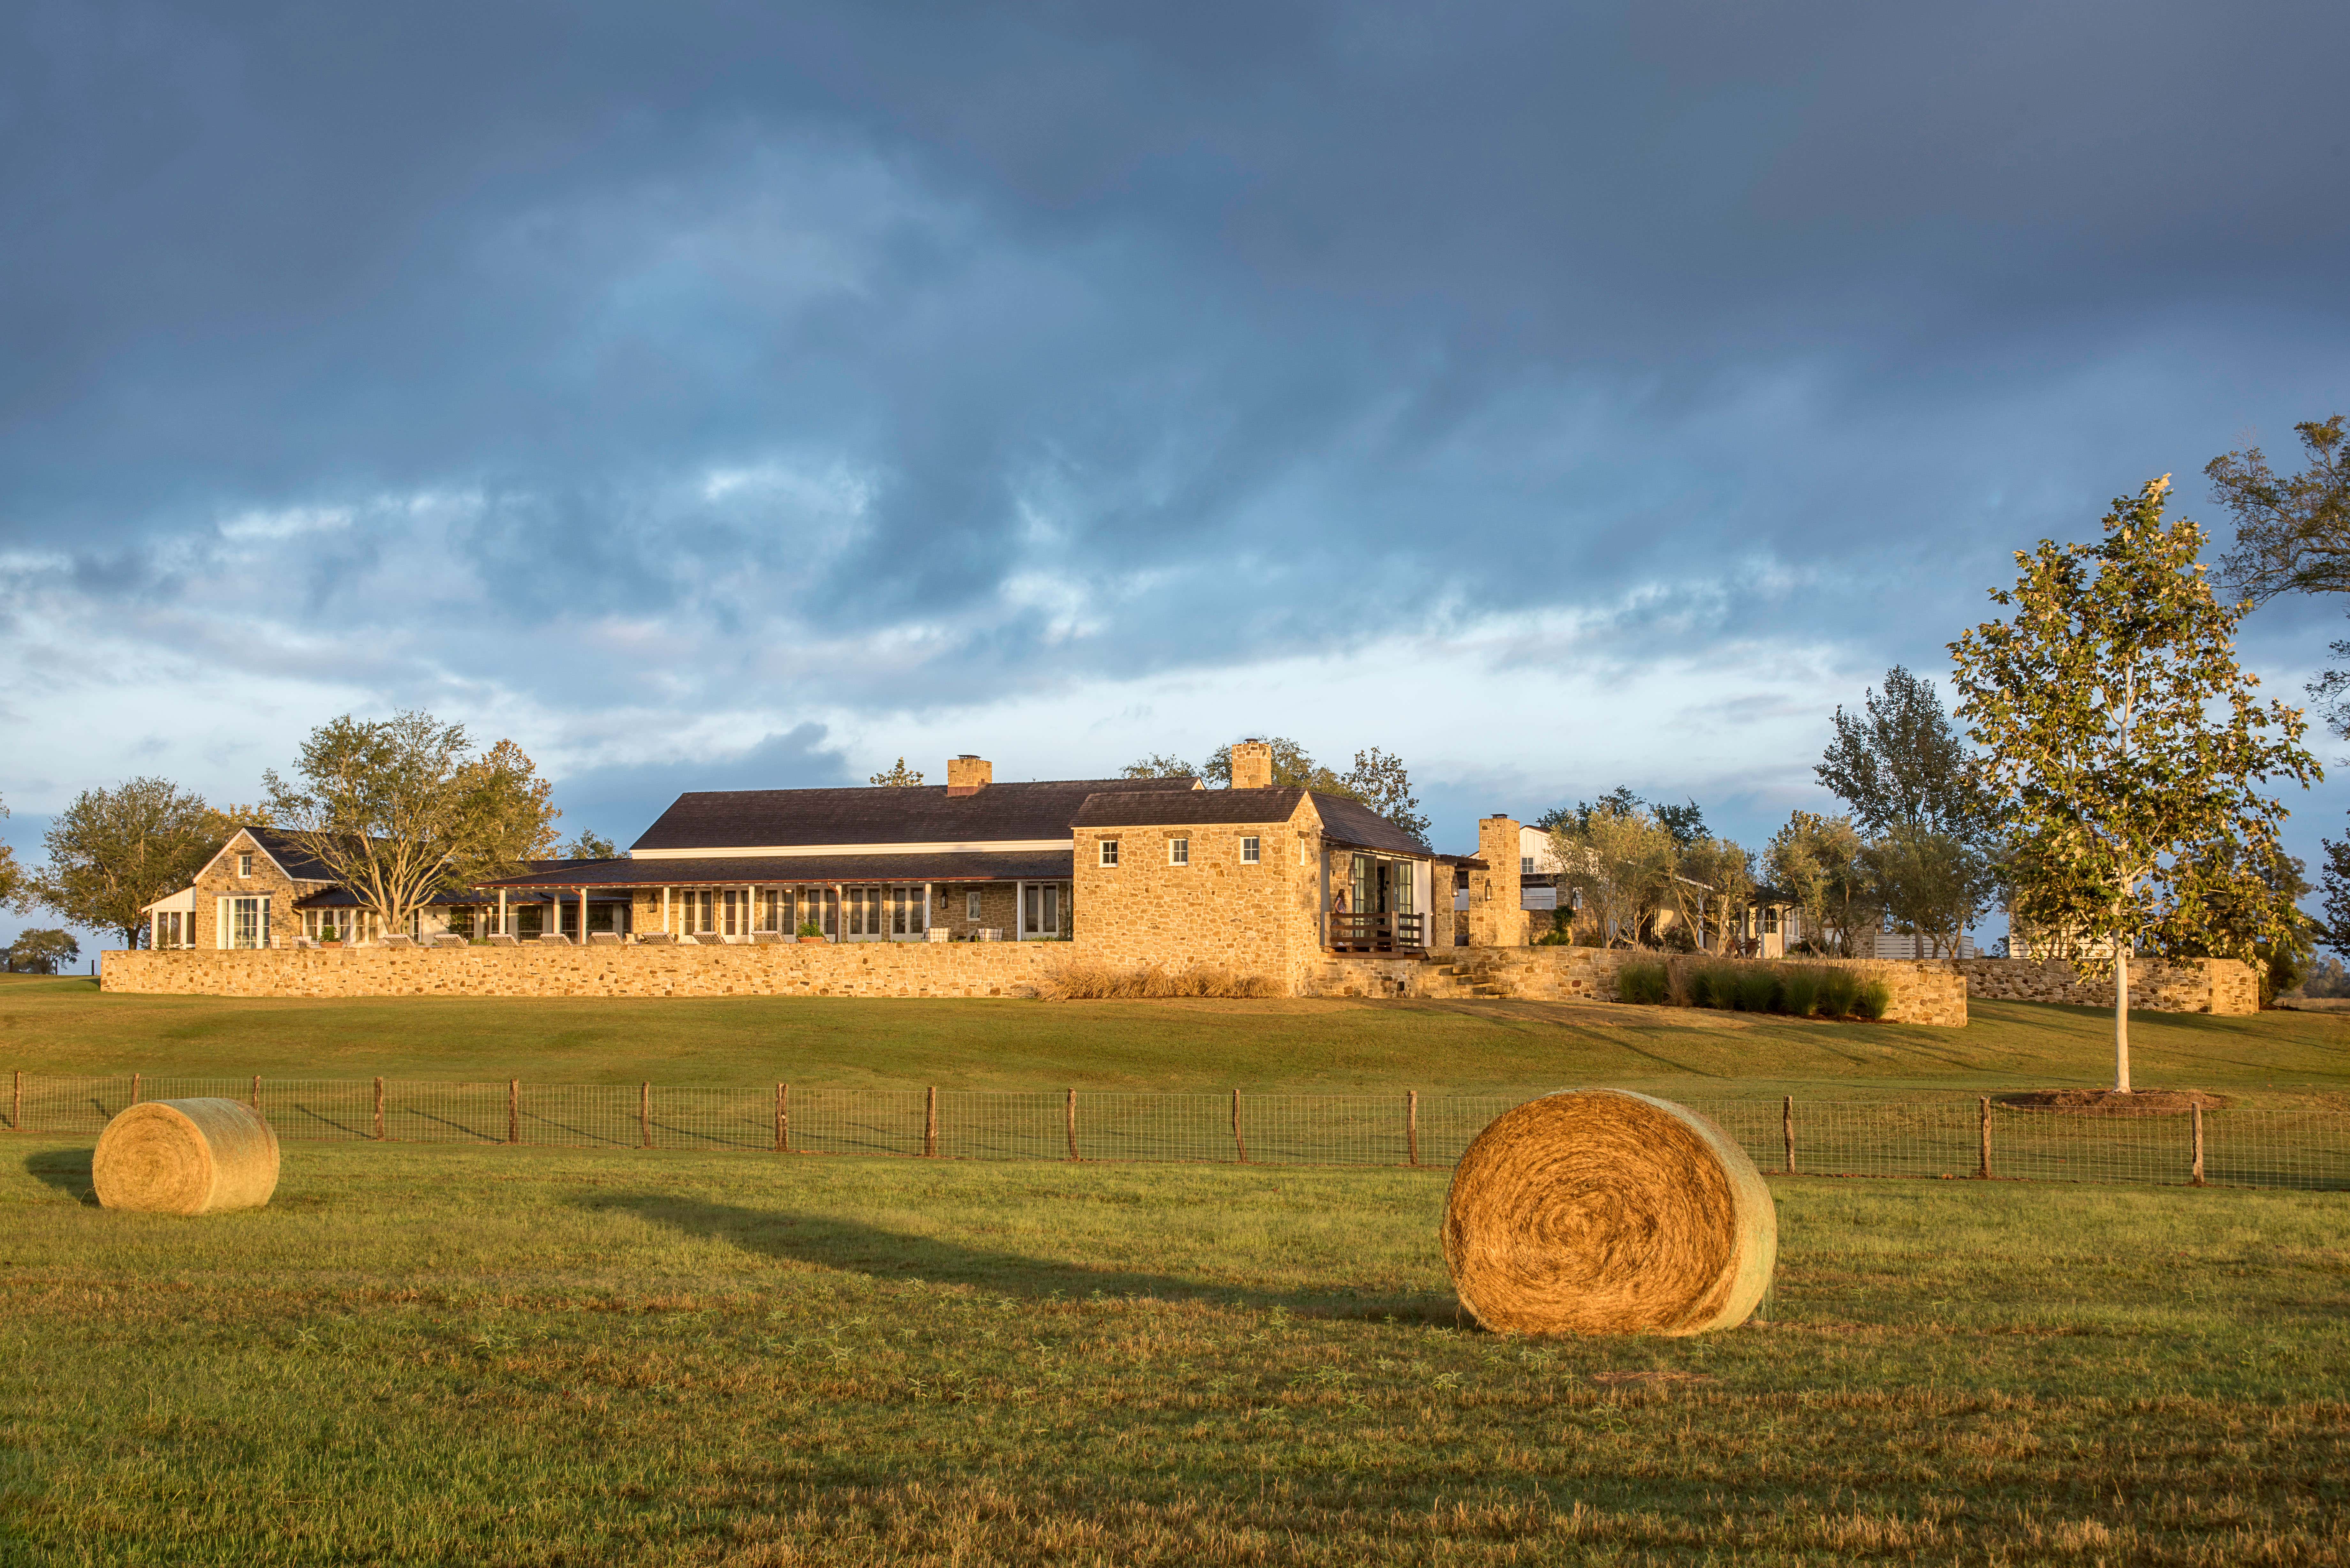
{"points": [[701, 392]]}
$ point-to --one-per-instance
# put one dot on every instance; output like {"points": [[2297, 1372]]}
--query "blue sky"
{"points": [[708, 396]]}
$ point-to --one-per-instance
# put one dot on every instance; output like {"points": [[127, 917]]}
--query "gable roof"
{"points": [[713, 820], [296, 862], [1346, 821], [1186, 808]]}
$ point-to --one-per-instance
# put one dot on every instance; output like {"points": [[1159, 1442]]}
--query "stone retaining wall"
{"points": [[776, 968], [1927, 991], [2225, 986]]}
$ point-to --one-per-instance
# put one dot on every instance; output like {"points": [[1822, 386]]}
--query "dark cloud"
{"points": [[918, 354]]}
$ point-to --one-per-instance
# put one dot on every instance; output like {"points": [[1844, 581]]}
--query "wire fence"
{"points": [[1948, 1137]]}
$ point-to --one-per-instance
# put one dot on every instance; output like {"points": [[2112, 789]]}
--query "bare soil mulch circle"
{"points": [[2114, 1103]]}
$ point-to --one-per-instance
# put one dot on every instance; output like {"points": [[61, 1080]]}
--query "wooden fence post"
{"points": [[1411, 1122], [1787, 1129], [1073, 1124], [1238, 1142], [514, 1110], [930, 1123], [1985, 1171], [379, 1110], [256, 1093], [135, 1079], [2195, 1113], [782, 1118], [645, 1115]]}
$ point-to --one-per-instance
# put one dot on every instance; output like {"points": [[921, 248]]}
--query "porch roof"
{"points": [[784, 871]]}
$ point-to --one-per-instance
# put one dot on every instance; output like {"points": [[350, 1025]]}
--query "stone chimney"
{"points": [[967, 774], [1495, 921], [1251, 764]]}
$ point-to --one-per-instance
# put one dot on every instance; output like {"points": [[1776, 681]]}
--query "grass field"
{"points": [[67, 1026], [432, 1356]]}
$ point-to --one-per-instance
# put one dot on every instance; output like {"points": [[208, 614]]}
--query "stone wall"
{"points": [[1930, 992], [764, 969], [1261, 918], [1495, 921], [2226, 986]]}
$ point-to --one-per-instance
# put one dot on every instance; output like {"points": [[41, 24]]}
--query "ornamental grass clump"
{"points": [[1839, 991], [1875, 997], [1644, 981], [1799, 990], [1757, 991], [1713, 985], [1085, 982]]}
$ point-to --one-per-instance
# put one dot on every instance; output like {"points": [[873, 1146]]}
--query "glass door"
{"points": [[1041, 913]]}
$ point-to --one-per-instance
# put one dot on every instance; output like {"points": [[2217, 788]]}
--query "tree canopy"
{"points": [[2292, 534], [1378, 779], [2130, 747], [1900, 762], [401, 808], [114, 851], [41, 951], [900, 776]]}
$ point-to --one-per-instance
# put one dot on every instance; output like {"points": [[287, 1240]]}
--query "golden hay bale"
{"points": [[185, 1156], [1600, 1212]]}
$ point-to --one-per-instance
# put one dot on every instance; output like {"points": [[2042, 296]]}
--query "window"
{"points": [[970, 906], [1251, 851], [1304, 854], [1110, 851], [1525, 865], [1179, 852], [244, 865]]}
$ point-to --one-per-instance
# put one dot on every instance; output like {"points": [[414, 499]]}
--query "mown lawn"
{"points": [[427, 1355], [64, 1026]]}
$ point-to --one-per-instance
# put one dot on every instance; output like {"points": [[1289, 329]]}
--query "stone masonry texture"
{"points": [[2225, 986]]}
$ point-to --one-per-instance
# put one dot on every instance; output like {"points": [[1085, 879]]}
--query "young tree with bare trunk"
{"points": [[2130, 747]]}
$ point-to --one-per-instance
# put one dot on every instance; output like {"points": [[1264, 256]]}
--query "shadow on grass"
{"points": [[829, 1241], [66, 1169]]}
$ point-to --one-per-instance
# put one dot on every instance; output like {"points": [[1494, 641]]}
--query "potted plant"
{"points": [[810, 931], [328, 937]]}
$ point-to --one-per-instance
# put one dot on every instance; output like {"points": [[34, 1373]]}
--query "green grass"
{"points": [[66, 1026], [426, 1355]]}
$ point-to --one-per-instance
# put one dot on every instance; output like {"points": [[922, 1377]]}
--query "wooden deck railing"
{"points": [[1376, 933]]}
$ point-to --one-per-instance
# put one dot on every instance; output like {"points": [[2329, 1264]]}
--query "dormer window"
{"points": [[244, 865], [1110, 851]]}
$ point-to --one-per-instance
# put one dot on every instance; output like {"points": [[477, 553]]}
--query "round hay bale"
{"points": [[1601, 1211], [185, 1156]]}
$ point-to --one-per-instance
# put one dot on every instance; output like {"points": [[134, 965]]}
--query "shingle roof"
{"points": [[292, 858], [1184, 807], [1352, 821], [768, 870], [880, 814], [1348, 821]]}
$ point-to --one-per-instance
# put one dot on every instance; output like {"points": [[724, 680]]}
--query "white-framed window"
{"points": [[1252, 849], [970, 906], [1110, 851], [1525, 865], [1179, 852], [244, 865]]}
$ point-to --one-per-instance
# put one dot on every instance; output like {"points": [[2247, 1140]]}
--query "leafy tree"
{"points": [[1713, 886], [1381, 781], [114, 851], [2334, 930], [41, 951], [591, 845], [2293, 535], [1622, 863], [1934, 883], [401, 808], [2095, 707], [1156, 766], [898, 778], [1292, 768], [1377, 779], [1685, 822], [14, 887], [1818, 862], [1900, 762], [2242, 891]]}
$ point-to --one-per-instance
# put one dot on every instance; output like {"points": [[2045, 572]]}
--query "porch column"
{"points": [[1020, 911], [926, 911], [504, 928], [840, 915], [750, 912]]}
